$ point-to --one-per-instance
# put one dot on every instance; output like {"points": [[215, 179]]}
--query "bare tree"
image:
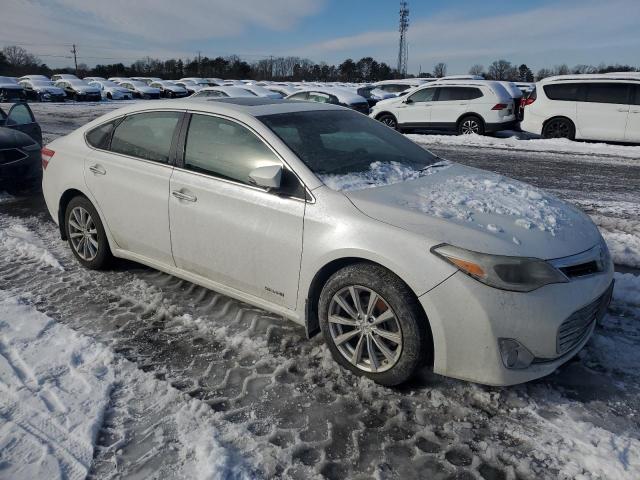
{"points": [[561, 69], [477, 69], [502, 70], [440, 70], [584, 69], [543, 73]]}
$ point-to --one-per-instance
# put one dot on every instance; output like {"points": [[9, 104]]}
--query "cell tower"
{"points": [[403, 51]]}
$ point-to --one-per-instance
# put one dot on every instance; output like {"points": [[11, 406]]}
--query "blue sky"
{"points": [[461, 33]]}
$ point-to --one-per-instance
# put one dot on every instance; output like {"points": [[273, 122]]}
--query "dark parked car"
{"points": [[10, 90], [20, 144]]}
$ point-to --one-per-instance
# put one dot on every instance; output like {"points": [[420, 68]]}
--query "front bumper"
{"points": [[468, 318]]}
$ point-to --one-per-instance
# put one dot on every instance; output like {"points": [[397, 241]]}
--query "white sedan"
{"points": [[329, 218], [222, 92], [141, 90]]}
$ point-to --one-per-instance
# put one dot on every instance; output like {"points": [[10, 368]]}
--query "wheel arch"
{"points": [[385, 112], [65, 198], [320, 279], [470, 114]]}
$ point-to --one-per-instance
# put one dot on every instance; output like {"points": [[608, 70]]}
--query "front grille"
{"points": [[11, 155], [576, 328], [581, 270]]}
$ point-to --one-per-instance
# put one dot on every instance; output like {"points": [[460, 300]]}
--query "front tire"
{"points": [[559, 128], [372, 324], [471, 125], [389, 120], [86, 235]]}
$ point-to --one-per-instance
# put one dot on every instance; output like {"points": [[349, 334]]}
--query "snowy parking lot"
{"points": [[132, 373]]}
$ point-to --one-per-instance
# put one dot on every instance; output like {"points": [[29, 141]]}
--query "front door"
{"points": [[451, 103], [227, 230], [416, 108], [130, 183], [20, 117]]}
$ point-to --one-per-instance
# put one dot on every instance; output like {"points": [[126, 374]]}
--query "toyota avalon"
{"points": [[326, 217]]}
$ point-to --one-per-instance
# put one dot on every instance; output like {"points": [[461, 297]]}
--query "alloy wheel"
{"points": [[83, 234], [365, 329], [558, 129], [470, 126], [389, 122]]}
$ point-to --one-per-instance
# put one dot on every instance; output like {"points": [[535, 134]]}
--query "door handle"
{"points": [[635, 111], [98, 170], [623, 109], [184, 196]]}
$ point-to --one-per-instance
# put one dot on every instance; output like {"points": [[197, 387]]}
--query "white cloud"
{"points": [[564, 27]]}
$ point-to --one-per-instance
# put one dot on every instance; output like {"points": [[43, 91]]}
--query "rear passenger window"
{"points": [[458, 93], [99, 137], [568, 92], [608, 93], [146, 135], [224, 149]]}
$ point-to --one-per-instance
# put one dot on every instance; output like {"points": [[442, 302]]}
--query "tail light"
{"points": [[500, 106], [526, 101], [47, 155]]}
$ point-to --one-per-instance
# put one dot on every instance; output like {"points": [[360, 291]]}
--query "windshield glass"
{"points": [[344, 142], [42, 83]]}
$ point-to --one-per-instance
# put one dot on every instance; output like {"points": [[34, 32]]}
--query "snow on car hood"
{"points": [[471, 208]]}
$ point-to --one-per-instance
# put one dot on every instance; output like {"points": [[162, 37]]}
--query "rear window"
{"points": [[146, 135], [568, 92], [608, 93]]}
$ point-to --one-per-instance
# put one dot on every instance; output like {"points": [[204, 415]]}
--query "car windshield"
{"points": [[41, 83], [107, 83], [341, 142], [76, 82], [138, 83]]}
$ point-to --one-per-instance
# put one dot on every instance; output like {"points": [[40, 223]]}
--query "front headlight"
{"points": [[516, 274]]}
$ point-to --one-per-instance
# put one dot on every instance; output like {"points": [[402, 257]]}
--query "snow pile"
{"points": [[627, 291], [379, 174], [54, 388], [463, 196], [622, 237], [556, 145], [20, 242]]}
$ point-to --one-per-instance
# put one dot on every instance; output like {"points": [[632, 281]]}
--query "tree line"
{"points": [[15, 61]]}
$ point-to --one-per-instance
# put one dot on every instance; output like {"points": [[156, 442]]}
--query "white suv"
{"points": [[590, 107], [327, 217], [462, 106]]}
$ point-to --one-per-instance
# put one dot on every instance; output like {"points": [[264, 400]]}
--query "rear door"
{"points": [[416, 108], [633, 122], [128, 175], [20, 117], [450, 104], [602, 114]]}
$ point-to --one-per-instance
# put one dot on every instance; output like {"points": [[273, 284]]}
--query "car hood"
{"points": [[86, 89], [13, 86], [53, 90], [480, 211], [147, 89], [175, 88]]}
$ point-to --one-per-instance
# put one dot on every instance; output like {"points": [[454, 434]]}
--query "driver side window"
{"points": [[424, 95], [224, 149]]}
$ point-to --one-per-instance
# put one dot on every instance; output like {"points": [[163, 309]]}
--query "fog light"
{"points": [[514, 355]]}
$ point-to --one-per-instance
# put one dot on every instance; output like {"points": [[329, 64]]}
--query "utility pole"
{"points": [[199, 63], [75, 57], [403, 50]]}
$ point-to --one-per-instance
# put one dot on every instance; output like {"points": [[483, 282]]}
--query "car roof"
{"points": [[623, 76]]}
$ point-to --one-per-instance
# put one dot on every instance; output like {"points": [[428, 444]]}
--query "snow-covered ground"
{"points": [[518, 141], [55, 387], [166, 379]]}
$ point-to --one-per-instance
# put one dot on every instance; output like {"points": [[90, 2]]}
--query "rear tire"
{"points": [[387, 339], [471, 124], [389, 120], [86, 235], [559, 128]]}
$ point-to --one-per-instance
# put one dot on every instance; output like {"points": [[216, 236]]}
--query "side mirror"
{"points": [[268, 176]]}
